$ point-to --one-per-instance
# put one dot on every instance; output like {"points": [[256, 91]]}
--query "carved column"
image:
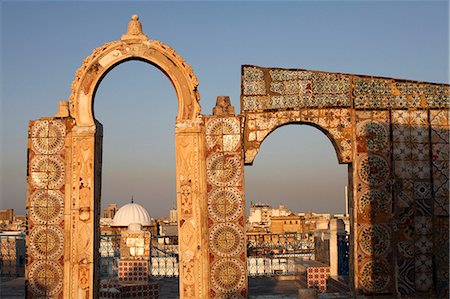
{"points": [[191, 206], [84, 211]]}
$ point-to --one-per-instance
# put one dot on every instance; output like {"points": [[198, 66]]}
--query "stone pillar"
{"points": [[84, 209], [191, 206], [336, 226], [226, 203]]}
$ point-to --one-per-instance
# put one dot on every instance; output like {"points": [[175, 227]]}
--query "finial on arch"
{"points": [[134, 30]]}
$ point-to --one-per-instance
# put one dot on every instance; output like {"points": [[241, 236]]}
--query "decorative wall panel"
{"points": [[395, 134], [45, 208], [226, 206], [284, 89], [440, 128], [373, 203]]}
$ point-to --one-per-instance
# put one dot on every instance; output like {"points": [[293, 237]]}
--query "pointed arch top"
{"points": [[134, 45]]}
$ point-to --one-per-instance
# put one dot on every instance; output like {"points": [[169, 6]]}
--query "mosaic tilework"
{"points": [[45, 208], [440, 128], [373, 204], [133, 270], [316, 277], [390, 93], [292, 89], [396, 135], [226, 214], [414, 200], [274, 88], [336, 123]]}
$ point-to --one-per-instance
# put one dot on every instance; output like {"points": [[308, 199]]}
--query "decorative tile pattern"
{"points": [[133, 271], [47, 242], [293, 89], [317, 277], [372, 176], [396, 134], [373, 135], [375, 276], [375, 203], [374, 239], [47, 138], [47, 207], [225, 203], [390, 93], [47, 171], [226, 214], [45, 278], [45, 210], [228, 275], [223, 170], [225, 240], [373, 169]]}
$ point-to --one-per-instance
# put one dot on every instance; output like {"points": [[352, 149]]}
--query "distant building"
{"points": [[286, 224], [7, 216], [168, 229], [110, 211], [261, 214], [173, 216], [129, 213]]}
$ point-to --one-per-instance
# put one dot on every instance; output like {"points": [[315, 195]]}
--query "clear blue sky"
{"points": [[43, 43]]}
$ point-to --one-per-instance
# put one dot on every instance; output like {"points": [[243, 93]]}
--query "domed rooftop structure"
{"points": [[131, 213]]}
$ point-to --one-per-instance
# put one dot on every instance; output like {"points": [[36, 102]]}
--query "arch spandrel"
{"points": [[134, 46]]}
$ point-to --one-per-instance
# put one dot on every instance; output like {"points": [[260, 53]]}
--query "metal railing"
{"points": [[109, 254], [275, 254], [343, 245], [12, 255], [163, 255]]}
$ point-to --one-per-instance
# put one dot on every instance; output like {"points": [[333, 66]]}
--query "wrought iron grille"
{"points": [[343, 253], [12, 255]]}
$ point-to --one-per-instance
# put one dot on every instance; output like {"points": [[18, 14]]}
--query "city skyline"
{"points": [[44, 43]]}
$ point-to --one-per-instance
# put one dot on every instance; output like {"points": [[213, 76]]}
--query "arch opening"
{"points": [[296, 195], [135, 105], [309, 124]]}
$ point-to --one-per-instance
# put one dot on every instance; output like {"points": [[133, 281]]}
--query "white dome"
{"points": [[131, 213]]}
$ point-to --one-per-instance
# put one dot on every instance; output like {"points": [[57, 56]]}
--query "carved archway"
{"points": [[341, 147], [75, 164], [133, 45]]}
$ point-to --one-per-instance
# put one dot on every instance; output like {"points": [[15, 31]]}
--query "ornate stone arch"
{"points": [[82, 155], [133, 45], [328, 132], [335, 123]]}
